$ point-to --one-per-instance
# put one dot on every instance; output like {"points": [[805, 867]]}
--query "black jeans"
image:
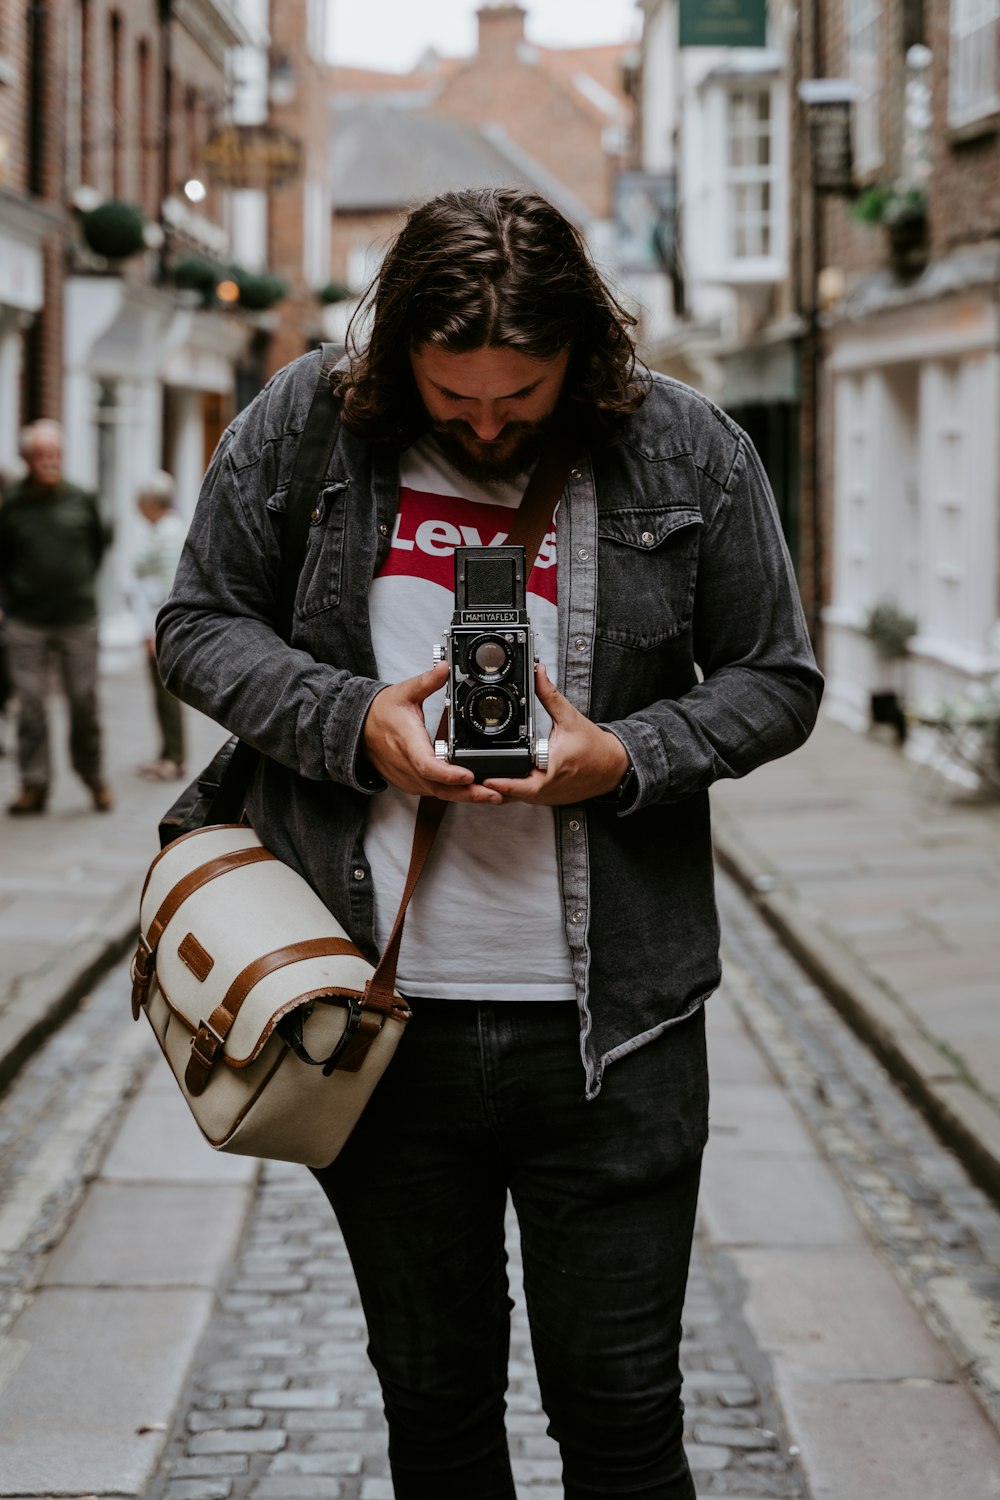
{"points": [[485, 1099]]}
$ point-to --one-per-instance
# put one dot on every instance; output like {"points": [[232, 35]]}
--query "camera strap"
{"points": [[528, 528]]}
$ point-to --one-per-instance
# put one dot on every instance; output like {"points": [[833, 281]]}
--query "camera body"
{"points": [[490, 651]]}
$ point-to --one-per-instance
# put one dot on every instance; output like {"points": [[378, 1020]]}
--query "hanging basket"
{"points": [[260, 290], [114, 229], [332, 292], [196, 273]]}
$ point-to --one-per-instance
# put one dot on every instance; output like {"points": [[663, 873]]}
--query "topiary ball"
{"points": [[114, 229], [196, 273], [260, 290]]}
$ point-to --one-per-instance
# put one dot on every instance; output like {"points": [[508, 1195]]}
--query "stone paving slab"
{"points": [[71, 877], [894, 910], [943, 1444], [86, 1408]]}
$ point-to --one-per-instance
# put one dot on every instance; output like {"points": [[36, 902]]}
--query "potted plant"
{"points": [[333, 291], [890, 630], [259, 290], [115, 229], [196, 273], [902, 212]]}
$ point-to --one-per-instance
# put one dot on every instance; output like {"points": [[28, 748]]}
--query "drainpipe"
{"points": [[37, 112], [165, 8]]}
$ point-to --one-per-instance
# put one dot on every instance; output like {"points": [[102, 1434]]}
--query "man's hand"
{"points": [[398, 745], [584, 760]]}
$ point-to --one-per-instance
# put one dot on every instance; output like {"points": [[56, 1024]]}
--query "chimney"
{"points": [[501, 29]]}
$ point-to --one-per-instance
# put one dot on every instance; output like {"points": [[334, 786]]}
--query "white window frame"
{"points": [[863, 26], [751, 176], [974, 30]]}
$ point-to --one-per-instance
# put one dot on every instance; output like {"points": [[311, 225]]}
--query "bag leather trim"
{"points": [[211, 1034]]}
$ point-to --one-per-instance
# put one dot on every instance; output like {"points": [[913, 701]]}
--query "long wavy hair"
{"points": [[488, 268]]}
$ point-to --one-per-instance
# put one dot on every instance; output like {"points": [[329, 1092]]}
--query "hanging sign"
{"points": [[252, 156], [723, 23], [829, 102]]}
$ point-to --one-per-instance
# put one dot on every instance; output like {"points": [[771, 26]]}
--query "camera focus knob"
{"points": [[438, 655], [441, 749], [542, 754]]}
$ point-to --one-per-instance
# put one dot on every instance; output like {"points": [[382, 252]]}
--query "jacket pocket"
{"points": [[646, 570], [320, 579]]}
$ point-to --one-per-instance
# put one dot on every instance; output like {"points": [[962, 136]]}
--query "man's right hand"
{"points": [[398, 746]]}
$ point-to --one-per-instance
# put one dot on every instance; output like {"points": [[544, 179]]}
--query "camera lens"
{"points": [[490, 710], [489, 658]]}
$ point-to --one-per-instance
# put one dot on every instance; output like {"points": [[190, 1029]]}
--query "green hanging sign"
{"points": [[723, 23]]}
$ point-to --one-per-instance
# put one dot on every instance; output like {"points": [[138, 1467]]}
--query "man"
{"points": [[564, 937], [154, 567], [52, 539]]}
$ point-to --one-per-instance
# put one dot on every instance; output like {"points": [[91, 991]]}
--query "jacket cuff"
{"points": [[650, 767], [343, 735]]}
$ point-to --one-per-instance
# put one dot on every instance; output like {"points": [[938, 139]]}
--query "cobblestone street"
{"points": [[180, 1325], [284, 1405]]}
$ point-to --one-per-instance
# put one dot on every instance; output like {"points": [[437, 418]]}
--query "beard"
{"points": [[501, 462]]}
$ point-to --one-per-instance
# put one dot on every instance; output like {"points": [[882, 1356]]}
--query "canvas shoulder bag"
{"points": [[274, 1024]]}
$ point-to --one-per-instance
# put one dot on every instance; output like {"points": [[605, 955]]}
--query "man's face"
{"points": [[44, 459], [490, 407]]}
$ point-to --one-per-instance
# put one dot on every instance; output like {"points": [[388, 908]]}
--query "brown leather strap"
{"points": [[144, 961], [528, 529], [211, 1034]]}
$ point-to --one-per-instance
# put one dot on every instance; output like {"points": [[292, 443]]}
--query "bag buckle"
{"points": [[141, 973], [200, 1066], [207, 1026]]}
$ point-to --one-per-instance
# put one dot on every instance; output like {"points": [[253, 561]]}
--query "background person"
{"points": [[563, 941], [154, 568], [52, 540]]}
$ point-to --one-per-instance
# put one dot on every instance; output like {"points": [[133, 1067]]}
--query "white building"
{"points": [[717, 120], [149, 375]]}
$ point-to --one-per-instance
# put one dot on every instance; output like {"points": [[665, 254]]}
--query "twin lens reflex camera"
{"points": [[489, 648]]}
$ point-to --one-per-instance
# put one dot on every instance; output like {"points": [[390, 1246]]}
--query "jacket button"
{"points": [[315, 515], [383, 529], [574, 825], [648, 538], [580, 643], [577, 917], [575, 473], [583, 555], [359, 874]]}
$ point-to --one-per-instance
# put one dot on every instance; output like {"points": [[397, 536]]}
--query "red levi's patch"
{"points": [[429, 527]]}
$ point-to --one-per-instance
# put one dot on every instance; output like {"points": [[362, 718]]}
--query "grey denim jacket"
{"points": [[680, 629]]}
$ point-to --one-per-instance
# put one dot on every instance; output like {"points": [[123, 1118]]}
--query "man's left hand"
{"points": [[584, 760]]}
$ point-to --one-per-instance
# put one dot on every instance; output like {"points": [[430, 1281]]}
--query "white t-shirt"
{"points": [[485, 922]]}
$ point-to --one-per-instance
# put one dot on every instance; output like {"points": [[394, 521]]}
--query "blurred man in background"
{"points": [[52, 540]]}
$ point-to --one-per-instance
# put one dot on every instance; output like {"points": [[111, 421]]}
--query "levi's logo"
{"points": [[429, 527]]}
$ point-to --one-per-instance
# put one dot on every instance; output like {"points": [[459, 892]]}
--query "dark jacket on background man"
{"points": [[51, 545]]}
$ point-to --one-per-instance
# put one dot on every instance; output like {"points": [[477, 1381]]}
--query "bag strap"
{"points": [[316, 443], [225, 799], [528, 529]]}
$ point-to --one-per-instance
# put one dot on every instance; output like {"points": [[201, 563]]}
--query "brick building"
{"points": [[298, 245], [107, 109], [908, 270], [32, 225], [564, 108], [555, 120]]}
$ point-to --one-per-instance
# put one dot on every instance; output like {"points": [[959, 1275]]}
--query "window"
{"points": [[972, 86], [750, 188], [863, 30]]}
